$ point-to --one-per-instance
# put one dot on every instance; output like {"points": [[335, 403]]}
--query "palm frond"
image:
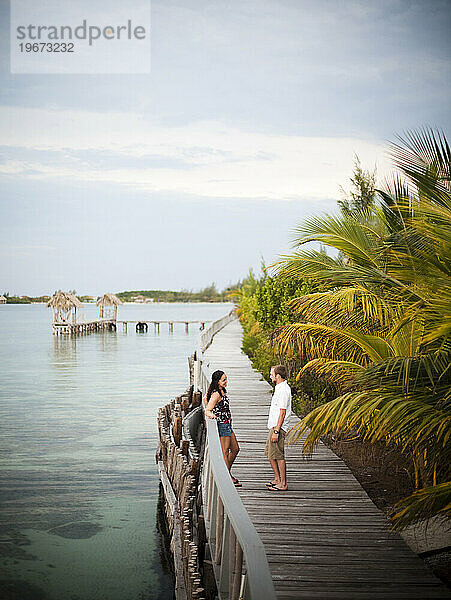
{"points": [[345, 233], [409, 422], [320, 340], [348, 307], [340, 372], [424, 157], [409, 372], [423, 504]]}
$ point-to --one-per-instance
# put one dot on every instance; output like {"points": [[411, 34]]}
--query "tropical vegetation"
{"points": [[377, 328], [14, 299], [264, 307]]}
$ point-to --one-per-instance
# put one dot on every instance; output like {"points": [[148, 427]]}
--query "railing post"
{"points": [[209, 493], [196, 373], [224, 583], [219, 529], [213, 509], [244, 589], [238, 567], [232, 553]]}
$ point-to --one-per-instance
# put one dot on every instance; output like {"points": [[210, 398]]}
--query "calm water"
{"points": [[79, 485]]}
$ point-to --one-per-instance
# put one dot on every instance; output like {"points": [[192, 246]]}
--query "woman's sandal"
{"points": [[236, 482]]}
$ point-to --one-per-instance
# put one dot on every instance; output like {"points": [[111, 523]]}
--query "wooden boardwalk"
{"points": [[324, 538]]}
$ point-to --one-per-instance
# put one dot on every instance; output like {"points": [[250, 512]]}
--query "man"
{"points": [[278, 425]]}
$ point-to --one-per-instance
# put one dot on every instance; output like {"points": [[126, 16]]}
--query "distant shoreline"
{"points": [[208, 295], [24, 302]]}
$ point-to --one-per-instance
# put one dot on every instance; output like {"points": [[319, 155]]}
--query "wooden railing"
{"points": [[207, 335], [237, 552]]}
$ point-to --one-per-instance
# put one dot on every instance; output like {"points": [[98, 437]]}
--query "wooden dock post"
{"points": [[186, 328], [184, 447], [197, 399], [177, 427]]}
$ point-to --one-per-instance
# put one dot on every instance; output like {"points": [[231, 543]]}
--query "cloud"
{"points": [[204, 158]]}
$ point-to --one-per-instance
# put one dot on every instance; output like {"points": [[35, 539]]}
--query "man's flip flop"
{"points": [[273, 488], [236, 482], [270, 484]]}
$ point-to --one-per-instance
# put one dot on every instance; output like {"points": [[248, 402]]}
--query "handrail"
{"points": [[203, 341], [207, 335], [238, 555]]}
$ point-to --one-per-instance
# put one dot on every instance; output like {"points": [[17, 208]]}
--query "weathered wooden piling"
{"points": [[179, 473]]}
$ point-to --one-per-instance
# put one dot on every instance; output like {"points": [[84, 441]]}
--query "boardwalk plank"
{"points": [[324, 538]]}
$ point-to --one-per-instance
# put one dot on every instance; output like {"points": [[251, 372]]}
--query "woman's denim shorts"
{"points": [[225, 429]]}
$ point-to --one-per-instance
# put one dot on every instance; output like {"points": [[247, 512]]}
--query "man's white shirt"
{"points": [[280, 399]]}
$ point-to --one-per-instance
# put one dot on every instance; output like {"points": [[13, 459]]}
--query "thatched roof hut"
{"points": [[64, 301], [108, 300], [63, 304], [108, 304]]}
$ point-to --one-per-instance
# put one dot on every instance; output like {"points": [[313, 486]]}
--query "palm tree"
{"points": [[382, 330]]}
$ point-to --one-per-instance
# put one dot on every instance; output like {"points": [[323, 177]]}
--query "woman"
{"points": [[218, 408]]}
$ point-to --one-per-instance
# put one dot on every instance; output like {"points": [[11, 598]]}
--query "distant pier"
{"points": [[65, 322], [143, 325], [84, 327], [65, 305]]}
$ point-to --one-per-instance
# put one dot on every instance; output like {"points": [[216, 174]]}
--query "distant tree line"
{"points": [[207, 294], [14, 299]]}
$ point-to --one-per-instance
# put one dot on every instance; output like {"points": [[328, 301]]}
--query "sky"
{"points": [[248, 122]]}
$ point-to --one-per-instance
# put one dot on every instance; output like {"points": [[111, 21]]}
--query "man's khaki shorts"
{"points": [[275, 450]]}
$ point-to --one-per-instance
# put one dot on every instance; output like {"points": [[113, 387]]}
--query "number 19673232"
{"points": [[47, 47]]}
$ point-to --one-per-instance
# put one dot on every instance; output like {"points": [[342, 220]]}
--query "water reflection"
{"points": [[107, 341], [64, 352], [65, 347], [167, 577]]}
